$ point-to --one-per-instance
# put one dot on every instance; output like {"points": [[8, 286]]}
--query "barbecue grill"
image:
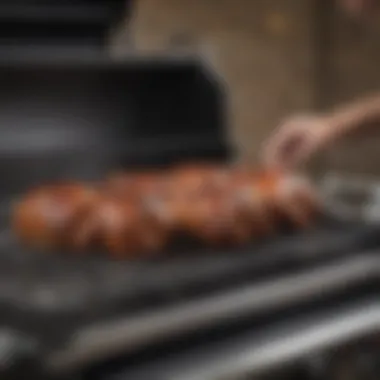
{"points": [[80, 116]]}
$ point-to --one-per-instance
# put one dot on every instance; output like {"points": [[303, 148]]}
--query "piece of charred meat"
{"points": [[136, 185], [192, 180], [123, 228], [46, 217], [214, 219], [251, 203], [290, 197], [133, 214]]}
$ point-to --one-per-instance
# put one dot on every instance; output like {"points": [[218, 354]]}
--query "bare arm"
{"points": [[301, 136], [352, 117]]}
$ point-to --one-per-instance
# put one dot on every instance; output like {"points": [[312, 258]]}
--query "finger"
{"points": [[272, 149], [298, 156], [285, 151]]}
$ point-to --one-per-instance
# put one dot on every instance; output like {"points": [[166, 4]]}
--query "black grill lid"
{"points": [[79, 117]]}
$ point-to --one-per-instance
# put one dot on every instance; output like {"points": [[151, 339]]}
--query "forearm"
{"points": [[354, 116]]}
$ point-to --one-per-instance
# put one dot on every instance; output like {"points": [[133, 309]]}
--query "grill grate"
{"points": [[79, 290]]}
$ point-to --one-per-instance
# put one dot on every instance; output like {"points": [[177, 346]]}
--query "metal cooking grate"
{"points": [[80, 290]]}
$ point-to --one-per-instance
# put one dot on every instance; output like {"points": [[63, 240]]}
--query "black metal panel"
{"points": [[80, 118]]}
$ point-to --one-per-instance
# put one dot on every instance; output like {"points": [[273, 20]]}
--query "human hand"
{"points": [[297, 140]]}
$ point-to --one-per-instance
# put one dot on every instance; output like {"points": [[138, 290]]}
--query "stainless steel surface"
{"points": [[351, 198], [14, 346], [102, 341], [285, 347], [262, 351]]}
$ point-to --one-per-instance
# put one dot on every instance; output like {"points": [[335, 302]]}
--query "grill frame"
{"points": [[249, 265]]}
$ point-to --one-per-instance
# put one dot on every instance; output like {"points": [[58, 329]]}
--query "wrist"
{"points": [[331, 128], [349, 118]]}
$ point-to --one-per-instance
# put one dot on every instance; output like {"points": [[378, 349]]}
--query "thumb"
{"points": [[300, 154], [273, 148], [289, 149], [293, 152]]}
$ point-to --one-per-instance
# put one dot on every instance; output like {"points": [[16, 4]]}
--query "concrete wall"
{"points": [[356, 71]]}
